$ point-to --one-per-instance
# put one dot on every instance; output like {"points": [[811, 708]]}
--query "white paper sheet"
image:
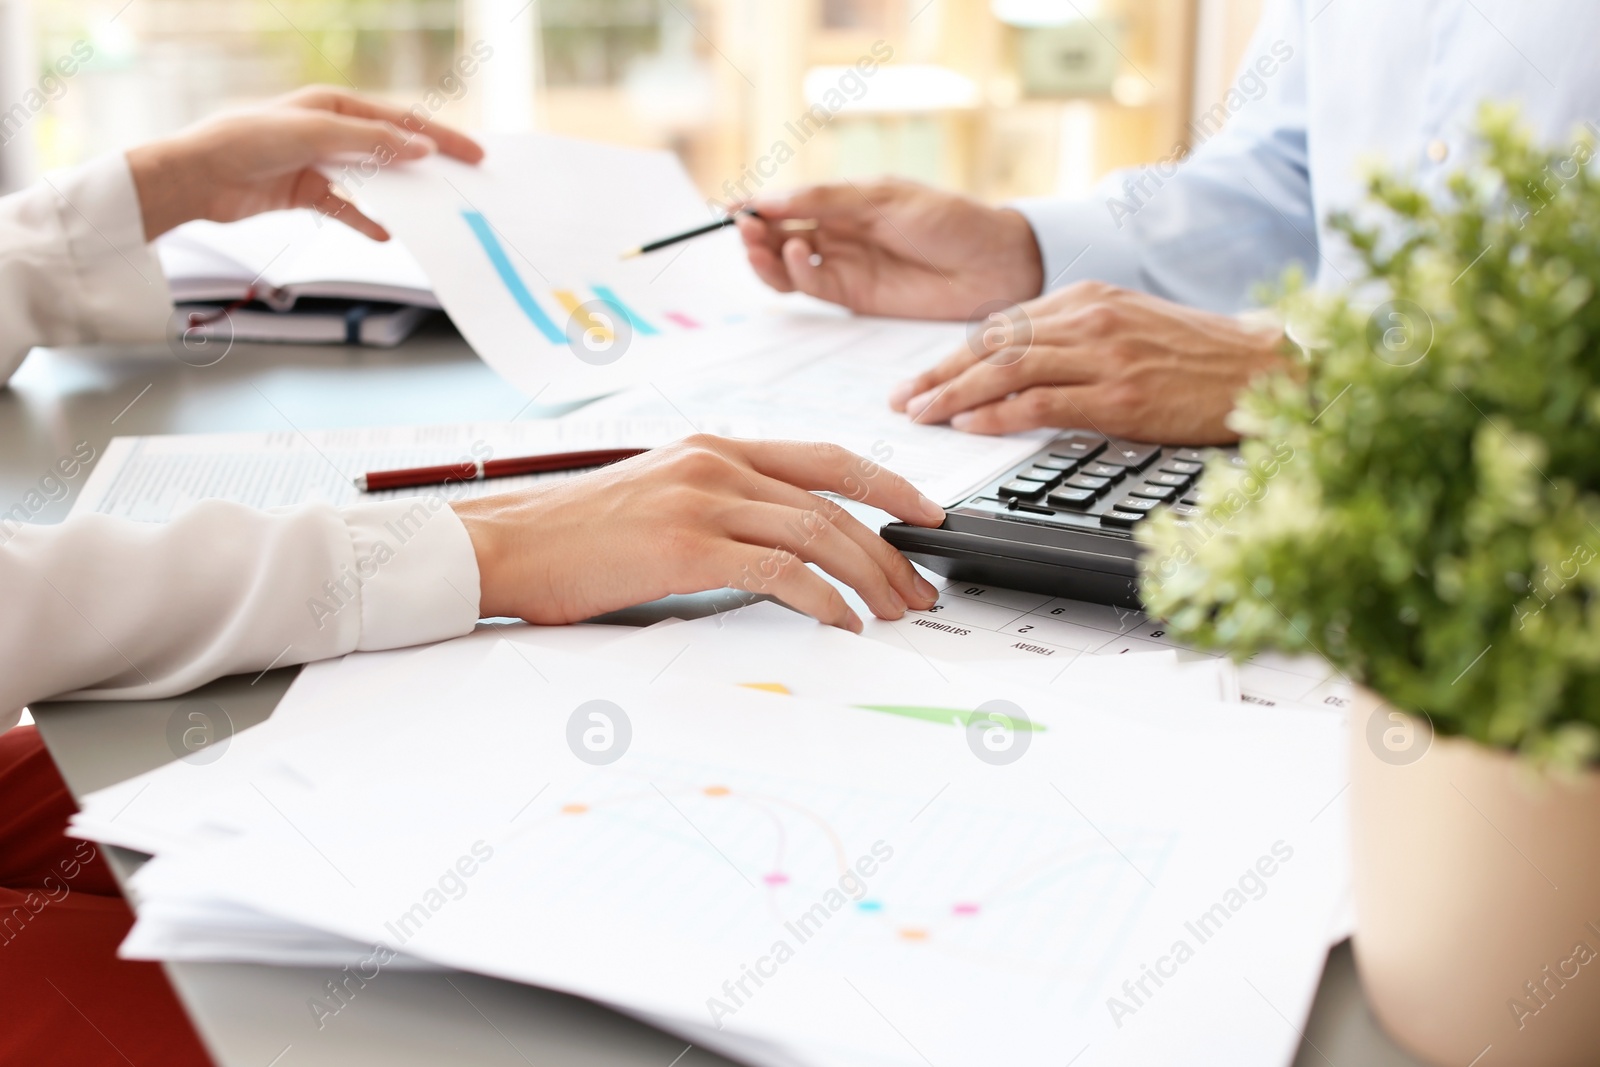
{"points": [[168, 807], [152, 478], [1026, 894]]}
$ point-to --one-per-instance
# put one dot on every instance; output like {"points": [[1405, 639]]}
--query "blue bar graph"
{"points": [[611, 300], [513, 282]]}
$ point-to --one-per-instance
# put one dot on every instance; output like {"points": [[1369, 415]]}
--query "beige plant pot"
{"points": [[1477, 895]]}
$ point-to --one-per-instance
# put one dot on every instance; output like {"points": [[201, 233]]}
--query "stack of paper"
{"points": [[815, 864]]}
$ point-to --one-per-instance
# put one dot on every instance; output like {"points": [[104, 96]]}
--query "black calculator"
{"points": [[1062, 522]]}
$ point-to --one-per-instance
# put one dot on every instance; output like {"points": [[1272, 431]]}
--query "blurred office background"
{"points": [[996, 97]]}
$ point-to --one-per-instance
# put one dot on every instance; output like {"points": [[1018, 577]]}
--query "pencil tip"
{"points": [[361, 483], [632, 253]]}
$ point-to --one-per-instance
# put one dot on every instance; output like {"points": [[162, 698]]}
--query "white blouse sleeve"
{"points": [[74, 265], [105, 608]]}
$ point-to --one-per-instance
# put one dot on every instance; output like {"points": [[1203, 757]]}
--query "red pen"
{"points": [[374, 481]]}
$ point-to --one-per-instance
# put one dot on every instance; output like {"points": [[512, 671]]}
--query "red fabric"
{"points": [[64, 996]]}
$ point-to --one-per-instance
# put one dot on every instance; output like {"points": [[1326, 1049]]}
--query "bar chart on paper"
{"points": [[524, 252], [562, 314]]}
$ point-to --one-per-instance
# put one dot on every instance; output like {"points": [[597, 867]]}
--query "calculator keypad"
{"points": [[1087, 481]]}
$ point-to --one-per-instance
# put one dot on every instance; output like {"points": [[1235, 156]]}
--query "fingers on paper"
{"points": [[918, 388], [983, 382], [1044, 405]]}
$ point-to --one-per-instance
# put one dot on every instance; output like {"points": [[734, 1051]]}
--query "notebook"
{"points": [[313, 280]]}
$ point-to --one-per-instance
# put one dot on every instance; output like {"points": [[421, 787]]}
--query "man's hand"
{"points": [[706, 513], [893, 248], [246, 162], [1096, 357]]}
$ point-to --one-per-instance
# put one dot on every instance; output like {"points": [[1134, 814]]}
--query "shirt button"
{"points": [[1438, 151]]}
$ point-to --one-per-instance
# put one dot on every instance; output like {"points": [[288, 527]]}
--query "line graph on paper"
{"points": [[741, 859]]}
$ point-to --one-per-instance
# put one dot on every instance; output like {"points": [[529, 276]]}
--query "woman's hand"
{"points": [[1096, 357], [705, 513], [268, 158]]}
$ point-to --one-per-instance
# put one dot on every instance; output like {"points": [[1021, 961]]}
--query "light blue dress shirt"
{"points": [[1326, 87]]}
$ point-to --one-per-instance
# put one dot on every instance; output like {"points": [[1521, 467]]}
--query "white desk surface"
{"points": [[257, 1016]]}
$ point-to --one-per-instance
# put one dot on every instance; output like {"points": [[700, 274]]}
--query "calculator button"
{"points": [[1078, 446], [1191, 498], [1177, 481], [1121, 519], [1131, 454], [1040, 474], [1102, 470], [1021, 487], [1066, 497], [1185, 511], [1189, 455], [1154, 492], [1136, 503], [1056, 463], [1084, 481], [1182, 466]]}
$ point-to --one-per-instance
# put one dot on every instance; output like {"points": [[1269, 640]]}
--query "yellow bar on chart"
{"points": [[569, 300]]}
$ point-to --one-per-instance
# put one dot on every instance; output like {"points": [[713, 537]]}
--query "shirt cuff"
{"points": [[416, 569], [121, 294], [1080, 241]]}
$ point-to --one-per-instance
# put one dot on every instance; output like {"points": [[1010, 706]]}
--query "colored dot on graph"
{"points": [[965, 909], [574, 809], [869, 905], [912, 933], [776, 878], [716, 790]]}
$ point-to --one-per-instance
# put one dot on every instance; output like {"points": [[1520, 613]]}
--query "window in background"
{"points": [[996, 97], [596, 42], [156, 65]]}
